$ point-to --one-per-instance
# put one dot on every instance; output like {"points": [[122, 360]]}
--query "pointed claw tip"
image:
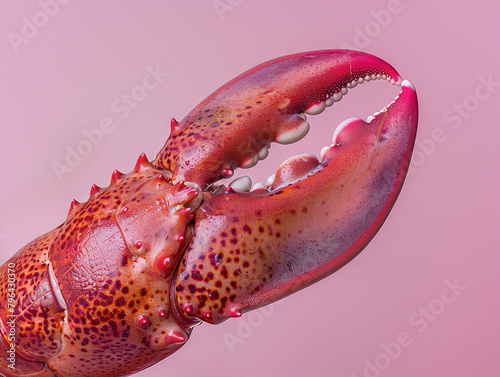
{"points": [[74, 203], [94, 190], [173, 125], [142, 160], [408, 84], [115, 176], [175, 337]]}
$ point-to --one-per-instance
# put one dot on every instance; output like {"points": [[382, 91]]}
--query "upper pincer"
{"points": [[235, 125]]}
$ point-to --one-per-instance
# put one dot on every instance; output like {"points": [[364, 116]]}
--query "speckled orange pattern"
{"points": [[113, 261]]}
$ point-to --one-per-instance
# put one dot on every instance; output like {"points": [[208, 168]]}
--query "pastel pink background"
{"points": [[444, 226]]}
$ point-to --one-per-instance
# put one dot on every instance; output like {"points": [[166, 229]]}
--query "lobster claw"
{"points": [[252, 248]]}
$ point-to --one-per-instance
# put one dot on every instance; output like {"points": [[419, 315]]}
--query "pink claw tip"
{"points": [[176, 337], [236, 313], [179, 185], [94, 190], [173, 125], [141, 161], [115, 176]]}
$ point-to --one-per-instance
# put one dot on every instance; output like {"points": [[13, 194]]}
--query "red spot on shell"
{"points": [[138, 244], [161, 313], [163, 265], [142, 321], [124, 209]]}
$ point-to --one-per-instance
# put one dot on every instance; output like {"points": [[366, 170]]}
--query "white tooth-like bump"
{"points": [[399, 82], [374, 77], [368, 78], [323, 152], [263, 153], [303, 116], [337, 96], [379, 76], [329, 101], [250, 162], [270, 179], [176, 208], [370, 118], [294, 135], [241, 184], [340, 127], [258, 186], [361, 80], [343, 91], [316, 109]]}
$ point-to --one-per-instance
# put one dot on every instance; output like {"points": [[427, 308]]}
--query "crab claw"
{"points": [[252, 248]]}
